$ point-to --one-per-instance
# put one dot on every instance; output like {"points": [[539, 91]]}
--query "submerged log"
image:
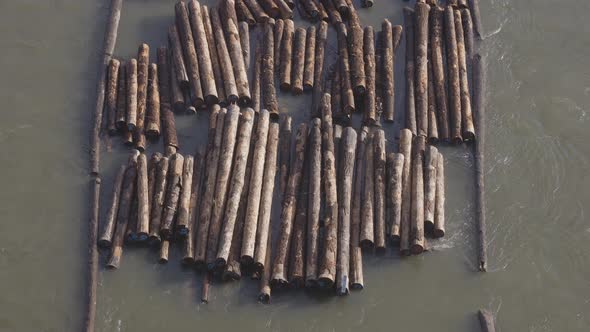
{"points": [[367, 234], [309, 63], [205, 288], [172, 196], [466, 114], [430, 166], [346, 164], [131, 94], [285, 152], [480, 207], [370, 112], [453, 75], [356, 259], [395, 165], [379, 187], [225, 62], [286, 56], [106, 237], [405, 148], [298, 61], [182, 220], [143, 204], [204, 59], [438, 71], [190, 54], [486, 320], [215, 62], [164, 251], [111, 95], [318, 71], [417, 225], [314, 204], [410, 71]]}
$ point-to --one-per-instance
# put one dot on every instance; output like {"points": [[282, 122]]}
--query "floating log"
{"points": [[468, 36], [240, 160], [370, 112], [308, 77], [120, 123], [333, 13], [342, 7], [355, 54], [396, 35], [346, 164], [347, 95], [269, 94], [111, 95], [387, 73], [311, 8], [410, 70], [158, 200], [225, 62], [172, 196], [379, 187], [438, 71], [268, 182], [131, 94], [127, 137], [432, 118], [143, 200], [453, 3], [439, 209], [164, 251], [356, 259], [314, 203], [430, 166], [257, 76], [367, 234], [432, 3], [240, 72], [259, 14], [189, 108], [286, 12], [230, 130], [182, 218], [188, 257], [244, 14], [213, 55], [474, 8], [264, 287], [124, 212], [480, 207], [190, 54], [281, 259], [378, 37], [466, 114], [405, 148], [92, 275], [298, 61], [336, 96], [462, 4], [152, 117], [367, 3], [453, 75], [178, 94], [323, 15], [285, 151], [417, 222], [227, 13], [395, 165], [327, 271], [177, 61], [244, 32], [337, 140], [278, 31], [270, 7], [255, 189], [216, 124], [421, 52], [106, 236], [202, 49], [286, 55], [131, 231], [168, 123], [318, 71], [205, 288], [486, 320]]}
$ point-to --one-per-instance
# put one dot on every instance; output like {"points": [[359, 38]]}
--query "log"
{"points": [[417, 222], [209, 181], [124, 212], [396, 37], [213, 55], [230, 131], [264, 286], [244, 32], [318, 71], [347, 95], [378, 74], [182, 219], [438, 71], [453, 3], [342, 7], [178, 94], [269, 94], [244, 14], [281, 259], [323, 15], [405, 148], [172, 196], [278, 31], [188, 257], [486, 320], [432, 118], [259, 14], [285, 12], [237, 59], [92, 275], [410, 70], [268, 182], [480, 207], [131, 231], [227, 12], [387, 72], [466, 114], [286, 56], [337, 140], [327, 270], [285, 154], [190, 54], [468, 36], [188, 106], [177, 60], [454, 86], [120, 123], [367, 3], [379, 187], [257, 76], [158, 201], [205, 288], [152, 171], [477, 28], [346, 164], [298, 61], [143, 200], [355, 53], [203, 57], [462, 4], [430, 166], [395, 165], [370, 112], [309, 63], [111, 95], [105, 239], [336, 96], [168, 123], [127, 137], [131, 94], [152, 117], [255, 189], [333, 13], [242, 150], [356, 259], [421, 53], [439, 212], [164, 251], [314, 203], [225, 62], [311, 8], [367, 234]]}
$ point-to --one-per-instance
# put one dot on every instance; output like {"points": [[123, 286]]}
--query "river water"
{"points": [[538, 55]]}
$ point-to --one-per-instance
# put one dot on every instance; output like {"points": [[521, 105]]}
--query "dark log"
{"points": [[298, 61], [462, 4], [318, 72], [333, 13], [127, 137], [152, 171], [432, 118], [347, 95], [286, 56], [370, 112], [244, 32], [152, 117], [417, 222], [106, 236], [308, 77], [268, 182], [269, 94], [244, 14], [225, 62], [466, 114], [480, 206], [311, 8], [439, 212], [314, 203], [111, 95], [257, 11], [468, 36], [281, 259], [355, 54], [367, 234], [270, 7], [205, 288], [396, 38], [190, 54], [278, 31], [178, 94], [323, 13], [387, 73], [367, 3], [432, 3], [237, 59], [486, 320], [264, 291], [92, 273], [379, 187], [188, 249], [454, 86], [255, 189], [285, 11], [168, 123], [336, 96], [410, 70], [342, 7], [177, 61], [164, 251], [131, 231], [438, 71], [327, 270], [421, 53], [378, 37], [474, 8], [121, 97], [213, 55], [453, 3], [131, 94], [430, 166], [143, 200], [285, 152], [189, 108], [405, 148], [202, 49], [182, 218], [395, 165], [158, 200], [172, 196]]}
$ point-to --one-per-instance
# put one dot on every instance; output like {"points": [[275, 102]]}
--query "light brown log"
{"points": [[327, 270], [190, 54], [152, 117], [264, 291], [164, 251], [417, 222], [486, 320], [209, 181], [172, 196], [242, 150], [244, 32], [213, 55], [421, 53], [177, 60], [278, 31], [367, 234], [92, 273], [225, 62], [432, 118], [105, 239], [396, 37], [143, 204], [297, 250], [121, 97], [255, 189], [286, 56], [355, 55], [314, 203], [259, 14], [270, 7], [379, 186], [269, 94], [244, 14], [178, 94], [356, 259], [336, 95], [395, 165], [323, 15], [285, 152], [111, 95], [131, 94], [438, 71], [237, 59], [298, 61], [337, 148], [333, 13], [410, 70], [257, 76], [387, 52], [405, 148], [342, 7], [370, 114], [439, 209], [466, 114], [318, 71], [281, 259], [168, 123], [430, 165], [188, 250], [347, 93], [124, 212], [454, 86], [188, 242], [308, 78], [158, 200], [474, 8], [379, 74], [268, 181], [182, 219], [206, 74], [285, 12]]}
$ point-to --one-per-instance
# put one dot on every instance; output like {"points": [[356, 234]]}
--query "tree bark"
{"points": [[178, 94], [410, 70], [204, 60], [318, 71], [314, 203], [430, 166], [213, 55], [367, 235], [244, 32], [286, 55], [225, 62], [432, 118], [105, 240], [152, 127], [285, 154], [347, 94], [244, 14], [298, 61], [417, 226], [405, 148], [421, 30], [466, 114], [370, 112], [355, 52], [131, 94], [395, 165], [259, 14], [172, 196], [257, 76], [379, 187], [453, 75], [190, 54], [269, 93], [308, 77]]}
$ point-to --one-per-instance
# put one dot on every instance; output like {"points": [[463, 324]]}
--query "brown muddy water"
{"points": [[537, 173]]}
